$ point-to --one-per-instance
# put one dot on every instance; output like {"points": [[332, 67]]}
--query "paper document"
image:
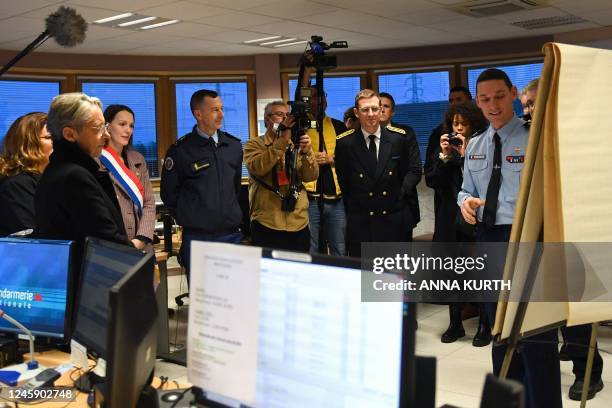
{"points": [[224, 319]]}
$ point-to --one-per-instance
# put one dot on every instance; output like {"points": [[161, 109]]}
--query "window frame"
{"points": [[496, 63], [59, 79]]}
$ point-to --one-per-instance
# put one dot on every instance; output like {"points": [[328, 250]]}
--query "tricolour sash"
{"points": [[126, 177]]}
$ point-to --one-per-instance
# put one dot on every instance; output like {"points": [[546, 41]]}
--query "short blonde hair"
{"points": [[531, 86], [365, 94], [70, 109]]}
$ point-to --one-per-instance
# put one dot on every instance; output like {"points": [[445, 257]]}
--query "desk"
{"points": [[51, 359]]}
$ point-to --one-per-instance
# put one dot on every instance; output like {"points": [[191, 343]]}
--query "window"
{"points": [[340, 90], [421, 99], [235, 107], [520, 75], [140, 97], [20, 97]]}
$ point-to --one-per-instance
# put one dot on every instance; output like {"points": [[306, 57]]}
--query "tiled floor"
{"points": [[461, 368]]}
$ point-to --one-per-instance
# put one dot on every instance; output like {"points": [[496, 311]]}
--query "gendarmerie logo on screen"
{"points": [[18, 298]]}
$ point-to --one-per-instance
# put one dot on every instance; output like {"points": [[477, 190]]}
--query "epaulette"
{"points": [[396, 129], [181, 139], [478, 132], [348, 132]]}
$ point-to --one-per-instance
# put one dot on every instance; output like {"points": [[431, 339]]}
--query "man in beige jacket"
{"points": [[269, 182]]}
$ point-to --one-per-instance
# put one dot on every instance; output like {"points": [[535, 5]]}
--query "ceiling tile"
{"points": [[336, 18], [184, 29], [119, 5], [237, 4], [14, 8], [20, 27], [603, 17], [235, 36], [238, 20], [147, 37], [238, 49], [577, 7], [428, 17], [184, 10], [285, 28], [293, 9], [88, 13]]}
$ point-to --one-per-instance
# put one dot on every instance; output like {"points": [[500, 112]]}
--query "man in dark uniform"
{"points": [[377, 169], [387, 105], [200, 181]]}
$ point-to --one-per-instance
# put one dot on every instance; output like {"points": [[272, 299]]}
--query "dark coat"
{"points": [[200, 183], [74, 199], [446, 180], [17, 202], [378, 206]]}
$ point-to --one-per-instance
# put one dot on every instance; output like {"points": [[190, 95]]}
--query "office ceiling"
{"points": [[212, 27]]}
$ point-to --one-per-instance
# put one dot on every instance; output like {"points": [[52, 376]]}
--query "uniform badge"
{"points": [[517, 150], [169, 163], [515, 159], [477, 156]]}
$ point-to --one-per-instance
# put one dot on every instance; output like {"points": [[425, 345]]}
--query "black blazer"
{"points": [[75, 199], [17, 202], [378, 204]]}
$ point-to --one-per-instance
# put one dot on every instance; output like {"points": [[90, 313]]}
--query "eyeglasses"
{"points": [[102, 128], [279, 114], [366, 109]]}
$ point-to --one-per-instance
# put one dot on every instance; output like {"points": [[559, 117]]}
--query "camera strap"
{"points": [[267, 186]]}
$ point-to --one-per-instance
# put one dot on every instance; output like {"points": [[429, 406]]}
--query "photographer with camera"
{"points": [[445, 176], [326, 210], [279, 214]]}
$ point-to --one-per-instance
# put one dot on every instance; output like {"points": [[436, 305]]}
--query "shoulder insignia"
{"points": [[396, 129], [344, 134], [181, 140]]}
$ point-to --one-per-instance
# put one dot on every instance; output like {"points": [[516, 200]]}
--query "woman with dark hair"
{"points": [[445, 175], [130, 177], [27, 146]]}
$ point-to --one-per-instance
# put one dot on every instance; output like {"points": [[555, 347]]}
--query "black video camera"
{"points": [[318, 48]]}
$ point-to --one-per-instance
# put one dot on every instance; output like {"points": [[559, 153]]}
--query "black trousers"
{"points": [[578, 338], [289, 240], [536, 364]]}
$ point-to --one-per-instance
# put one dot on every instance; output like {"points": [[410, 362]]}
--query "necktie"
{"points": [[372, 152], [494, 183]]}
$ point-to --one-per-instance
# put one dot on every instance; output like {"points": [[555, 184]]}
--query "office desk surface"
{"points": [[54, 358]]}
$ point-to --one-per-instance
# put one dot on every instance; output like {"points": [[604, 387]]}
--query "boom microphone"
{"points": [[65, 25]]}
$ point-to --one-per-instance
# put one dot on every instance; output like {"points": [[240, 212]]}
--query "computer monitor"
{"points": [[132, 335], [104, 264], [320, 345], [36, 286]]}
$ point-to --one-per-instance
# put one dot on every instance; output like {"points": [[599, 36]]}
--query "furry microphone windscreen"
{"points": [[66, 26]]}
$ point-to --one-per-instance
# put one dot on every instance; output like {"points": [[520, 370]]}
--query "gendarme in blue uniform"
{"points": [[200, 182], [478, 167]]}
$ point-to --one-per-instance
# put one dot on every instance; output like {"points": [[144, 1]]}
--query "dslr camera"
{"points": [[453, 140]]}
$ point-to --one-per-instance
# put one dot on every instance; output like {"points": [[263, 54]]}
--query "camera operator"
{"points": [[265, 158], [332, 219]]}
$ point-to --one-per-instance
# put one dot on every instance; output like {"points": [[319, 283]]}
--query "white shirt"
{"points": [[366, 135]]}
